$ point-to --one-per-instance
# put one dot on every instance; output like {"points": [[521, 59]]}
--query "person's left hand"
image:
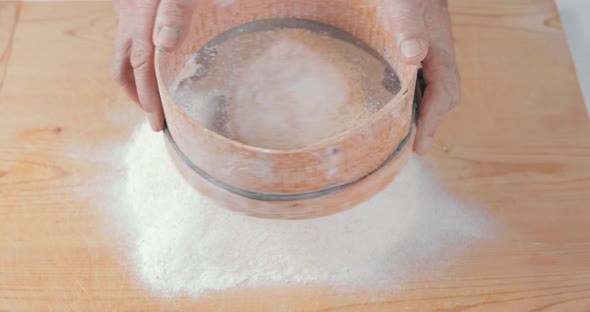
{"points": [[144, 26], [423, 34]]}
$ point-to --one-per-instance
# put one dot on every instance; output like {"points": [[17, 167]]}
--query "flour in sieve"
{"points": [[283, 88], [296, 93], [182, 243]]}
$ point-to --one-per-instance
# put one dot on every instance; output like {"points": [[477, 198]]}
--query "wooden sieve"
{"points": [[320, 179]]}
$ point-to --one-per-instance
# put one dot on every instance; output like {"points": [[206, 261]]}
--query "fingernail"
{"points": [[424, 145], [153, 119], [167, 37], [411, 48]]}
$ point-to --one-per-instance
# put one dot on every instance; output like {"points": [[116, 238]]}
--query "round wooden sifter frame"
{"points": [[319, 179]]}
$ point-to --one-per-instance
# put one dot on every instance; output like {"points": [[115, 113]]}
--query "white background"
{"points": [[575, 17]]}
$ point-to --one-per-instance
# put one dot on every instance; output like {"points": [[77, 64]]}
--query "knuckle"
{"points": [[411, 25], [450, 80], [408, 18], [440, 109], [141, 55], [146, 4], [174, 10]]}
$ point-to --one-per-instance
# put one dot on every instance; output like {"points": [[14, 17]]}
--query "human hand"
{"points": [[423, 33], [422, 28], [146, 25]]}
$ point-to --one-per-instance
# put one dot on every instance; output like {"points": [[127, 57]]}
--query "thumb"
{"points": [[172, 23], [407, 22]]}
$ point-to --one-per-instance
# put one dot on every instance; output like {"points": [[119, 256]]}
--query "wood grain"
{"points": [[518, 147], [8, 19]]}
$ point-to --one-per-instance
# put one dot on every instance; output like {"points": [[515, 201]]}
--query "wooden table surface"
{"points": [[518, 147]]}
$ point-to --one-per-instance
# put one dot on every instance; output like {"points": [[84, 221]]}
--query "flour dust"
{"points": [[181, 243]]}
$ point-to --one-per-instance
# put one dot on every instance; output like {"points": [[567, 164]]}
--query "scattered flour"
{"points": [[182, 243]]}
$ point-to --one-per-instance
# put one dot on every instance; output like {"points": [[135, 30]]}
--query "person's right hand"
{"points": [[423, 32], [146, 25]]}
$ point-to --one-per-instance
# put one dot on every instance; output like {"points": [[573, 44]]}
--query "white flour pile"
{"points": [[183, 244]]}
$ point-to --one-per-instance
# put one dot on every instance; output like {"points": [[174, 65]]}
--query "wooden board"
{"points": [[518, 146]]}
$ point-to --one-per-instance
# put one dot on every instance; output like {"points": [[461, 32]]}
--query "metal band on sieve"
{"points": [[420, 87]]}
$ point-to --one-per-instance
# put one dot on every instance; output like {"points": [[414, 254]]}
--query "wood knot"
{"points": [[334, 150]]}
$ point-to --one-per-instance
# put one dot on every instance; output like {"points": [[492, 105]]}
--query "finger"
{"points": [[442, 94], [407, 21], [142, 61], [172, 23], [121, 69]]}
